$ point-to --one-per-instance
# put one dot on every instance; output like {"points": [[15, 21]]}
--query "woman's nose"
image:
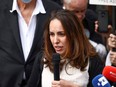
{"points": [[56, 39]]}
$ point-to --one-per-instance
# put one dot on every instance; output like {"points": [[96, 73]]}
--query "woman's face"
{"points": [[58, 37]]}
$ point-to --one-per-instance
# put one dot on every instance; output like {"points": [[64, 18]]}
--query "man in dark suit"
{"points": [[21, 31]]}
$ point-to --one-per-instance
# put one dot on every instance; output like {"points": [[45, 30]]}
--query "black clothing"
{"points": [[95, 68], [89, 23]]}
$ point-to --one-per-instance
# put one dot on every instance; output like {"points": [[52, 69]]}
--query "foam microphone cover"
{"points": [[110, 73], [56, 62], [100, 81]]}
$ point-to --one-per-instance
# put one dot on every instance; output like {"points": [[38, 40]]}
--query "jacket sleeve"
{"points": [[96, 66], [35, 78]]}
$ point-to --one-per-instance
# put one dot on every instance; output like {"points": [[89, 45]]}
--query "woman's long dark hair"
{"points": [[79, 49]]}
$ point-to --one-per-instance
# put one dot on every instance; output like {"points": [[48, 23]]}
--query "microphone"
{"points": [[114, 49], [100, 81], [110, 73], [56, 62]]}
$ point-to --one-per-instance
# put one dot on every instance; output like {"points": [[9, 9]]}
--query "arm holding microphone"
{"points": [[64, 83]]}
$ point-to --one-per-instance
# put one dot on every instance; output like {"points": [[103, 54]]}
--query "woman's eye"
{"points": [[58, 33], [51, 34], [61, 34]]}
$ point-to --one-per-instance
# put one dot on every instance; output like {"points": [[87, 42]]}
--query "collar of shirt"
{"points": [[27, 31], [38, 9]]}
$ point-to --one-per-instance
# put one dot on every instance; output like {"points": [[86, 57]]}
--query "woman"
{"points": [[64, 34]]}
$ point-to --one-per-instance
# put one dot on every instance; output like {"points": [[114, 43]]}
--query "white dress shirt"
{"points": [[27, 31]]}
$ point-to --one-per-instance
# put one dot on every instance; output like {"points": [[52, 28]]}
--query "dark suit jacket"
{"points": [[12, 63]]}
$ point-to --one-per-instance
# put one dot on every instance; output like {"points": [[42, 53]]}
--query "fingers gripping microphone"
{"points": [[100, 81], [110, 73], [56, 62]]}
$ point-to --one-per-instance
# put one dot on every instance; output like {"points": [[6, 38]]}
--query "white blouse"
{"points": [[74, 75]]}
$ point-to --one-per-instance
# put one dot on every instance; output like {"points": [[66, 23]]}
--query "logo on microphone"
{"points": [[102, 81], [113, 74], [110, 73]]}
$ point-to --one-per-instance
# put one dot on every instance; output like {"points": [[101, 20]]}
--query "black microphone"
{"points": [[56, 62], [114, 49]]}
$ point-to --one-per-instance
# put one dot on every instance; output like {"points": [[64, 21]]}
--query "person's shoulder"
{"points": [[6, 4], [96, 59], [95, 68], [96, 64]]}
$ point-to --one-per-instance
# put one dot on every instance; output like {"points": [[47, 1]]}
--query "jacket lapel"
{"points": [[37, 42], [13, 22]]}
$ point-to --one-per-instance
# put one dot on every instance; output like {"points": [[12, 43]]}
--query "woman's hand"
{"points": [[64, 83]]}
